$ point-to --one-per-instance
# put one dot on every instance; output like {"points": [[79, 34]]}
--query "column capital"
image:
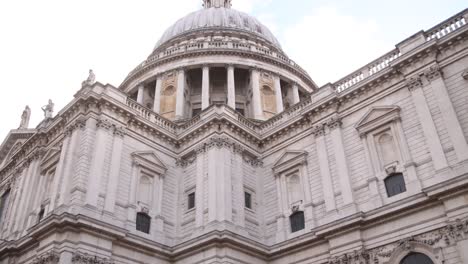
{"points": [[230, 66], [318, 130], [334, 123], [414, 83], [434, 72], [206, 67]]}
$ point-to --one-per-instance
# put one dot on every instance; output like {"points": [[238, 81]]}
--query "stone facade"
{"points": [[369, 169]]}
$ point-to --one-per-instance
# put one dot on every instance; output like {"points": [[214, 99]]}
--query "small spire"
{"points": [[217, 3]]}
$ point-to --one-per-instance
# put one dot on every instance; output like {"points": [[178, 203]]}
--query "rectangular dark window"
{"points": [[395, 184], [4, 203], [41, 214], [143, 223], [297, 221], [248, 200], [191, 201], [196, 112]]}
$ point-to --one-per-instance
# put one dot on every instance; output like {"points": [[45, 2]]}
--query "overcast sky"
{"points": [[47, 46]]}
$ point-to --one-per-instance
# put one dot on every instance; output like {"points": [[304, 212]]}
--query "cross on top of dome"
{"points": [[217, 3]]}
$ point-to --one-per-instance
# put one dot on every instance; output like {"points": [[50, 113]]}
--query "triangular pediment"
{"points": [[149, 160], [13, 142], [289, 159], [50, 158], [377, 116]]}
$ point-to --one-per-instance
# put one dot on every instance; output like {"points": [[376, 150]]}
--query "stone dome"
{"points": [[216, 17]]}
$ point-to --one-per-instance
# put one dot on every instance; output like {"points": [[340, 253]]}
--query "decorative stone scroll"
{"points": [[429, 243], [79, 258], [433, 73], [48, 258]]}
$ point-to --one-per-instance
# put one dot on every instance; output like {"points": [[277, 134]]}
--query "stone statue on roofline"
{"points": [[48, 110], [91, 79], [25, 118]]}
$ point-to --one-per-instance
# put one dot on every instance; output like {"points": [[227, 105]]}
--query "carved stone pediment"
{"points": [[149, 160], [377, 116], [50, 158], [288, 160], [13, 142]]}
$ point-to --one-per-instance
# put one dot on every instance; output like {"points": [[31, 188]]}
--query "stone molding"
{"points": [[104, 123], [48, 258], [79, 258], [219, 142]]}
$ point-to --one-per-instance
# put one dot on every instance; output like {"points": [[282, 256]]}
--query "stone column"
{"points": [[199, 188], [415, 86], [279, 95], [96, 170], [113, 182], [454, 129], [341, 161], [157, 204], [239, 186], [17, 190], [322, 153], [157, 95], [206, 87], [231, 87], [280, 219], [256, 99], [295, 93], [141, 91], [180, 100]]}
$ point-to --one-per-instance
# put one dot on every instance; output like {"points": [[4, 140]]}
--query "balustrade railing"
{"points": [[151, 116], [445, 28], [441, 30]]}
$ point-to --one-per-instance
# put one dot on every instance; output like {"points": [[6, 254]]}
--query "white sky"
{"points": [[48, 46]]}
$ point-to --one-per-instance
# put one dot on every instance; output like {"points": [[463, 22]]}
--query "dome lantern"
{"points": [[217, 3]]}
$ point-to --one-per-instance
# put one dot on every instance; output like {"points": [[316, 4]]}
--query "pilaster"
{"points": [[435, 77], [113, 179], [415, 86], [341, 161], [199, 189], [322, 153], [96, 170], [295, 93], [59, 172]]}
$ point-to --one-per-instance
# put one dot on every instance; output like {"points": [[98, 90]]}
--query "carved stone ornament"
{"points": [[319, 130], [429, 243], [105, 124], [48, 258], [79, 258], [465, 74], [433, 73], [414, 82], [334, 123]]}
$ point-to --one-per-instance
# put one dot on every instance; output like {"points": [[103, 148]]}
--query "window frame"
{"points": [[143, 226], [191, 200], [248, 203], [393, 176], [293, 221]]}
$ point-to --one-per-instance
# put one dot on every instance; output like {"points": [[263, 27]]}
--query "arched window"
{"points": [[387, 149], [143, 223], [294, 189], [297, 221], [168, 102], [416, 258], [395, 184], [145, 190]]}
